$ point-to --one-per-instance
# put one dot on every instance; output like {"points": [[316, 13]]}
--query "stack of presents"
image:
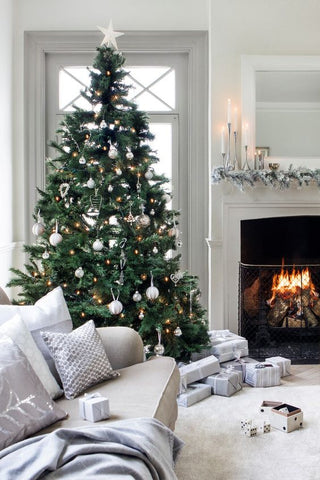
{"points": [[222, 368]]}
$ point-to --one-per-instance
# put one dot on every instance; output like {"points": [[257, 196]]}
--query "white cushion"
{"points": [[18, 332], [49, 313]]}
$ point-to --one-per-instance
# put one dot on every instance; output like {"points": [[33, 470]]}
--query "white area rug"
{"points": [[216, 450]]}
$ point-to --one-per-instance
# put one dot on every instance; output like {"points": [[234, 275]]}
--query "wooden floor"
{"points": [[303, 375]]}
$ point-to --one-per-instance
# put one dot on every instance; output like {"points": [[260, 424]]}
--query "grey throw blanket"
{"points": [[139, 449]]}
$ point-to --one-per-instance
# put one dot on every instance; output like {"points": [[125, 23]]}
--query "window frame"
{"points": [[195, 44]]}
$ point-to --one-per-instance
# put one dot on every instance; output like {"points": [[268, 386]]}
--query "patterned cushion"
{"points": [[80, 358], [18, 332], [25, 406]]}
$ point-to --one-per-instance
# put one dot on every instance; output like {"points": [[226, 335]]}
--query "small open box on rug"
{"points": [[286, 417], [267, 405]]}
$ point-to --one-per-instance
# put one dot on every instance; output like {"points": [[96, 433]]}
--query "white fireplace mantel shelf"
{"points": [[276, 179]]}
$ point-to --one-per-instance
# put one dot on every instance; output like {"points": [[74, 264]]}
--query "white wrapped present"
{"points": [[239, 365], [262, 374], [225, 383], [286, 418], [94, 407], [283, 363], [194, 371], [230, 349], [193, 394]]}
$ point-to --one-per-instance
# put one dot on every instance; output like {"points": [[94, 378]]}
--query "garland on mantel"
{"points": [[278, 179]]}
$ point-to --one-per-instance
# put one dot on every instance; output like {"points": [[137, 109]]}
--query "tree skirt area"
{"points": [[215, 448]]}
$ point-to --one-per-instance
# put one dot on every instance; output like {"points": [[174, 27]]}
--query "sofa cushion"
{"points": [[49, 313], [4, 299], [147, 389], [80, 358], [16, 329], [25, 406]]}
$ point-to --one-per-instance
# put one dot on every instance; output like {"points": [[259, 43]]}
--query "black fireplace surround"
{"points": [[277, 320]]}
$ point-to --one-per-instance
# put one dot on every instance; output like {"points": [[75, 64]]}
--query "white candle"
{"points": [[229, 111], [223, 141], [245, 135], [235, 122]]}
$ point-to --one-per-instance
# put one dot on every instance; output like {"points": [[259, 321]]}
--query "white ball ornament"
{"points": [[38, 229], [79, 272], [118, 171], [110, 188], [55, 238], [97, 245], [45, 255], [91, 183], [82, 160], [115, 307], [149, 174], [136, 296], [152, 292], [178, 332], [166, 197], [129, 155], [113, 152], [143, 220]]}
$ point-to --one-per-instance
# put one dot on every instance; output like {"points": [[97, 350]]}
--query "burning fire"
{"points": [[285, 284]]}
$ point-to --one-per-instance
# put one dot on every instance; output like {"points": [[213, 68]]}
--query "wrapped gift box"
{"points": [[94, 407], [286, 417], [193, 394], [262, 374], [225, 383], [283, 363], [230, 349], [192, 372], [238, 365], [223, 345]]}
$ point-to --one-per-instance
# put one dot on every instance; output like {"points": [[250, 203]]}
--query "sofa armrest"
{"points": [[123, 346]]}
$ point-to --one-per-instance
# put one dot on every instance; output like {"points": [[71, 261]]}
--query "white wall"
{"points": [[252, 27], [5, 138]]}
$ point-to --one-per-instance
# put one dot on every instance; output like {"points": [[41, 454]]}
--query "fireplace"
{"points": [[279, 287]]}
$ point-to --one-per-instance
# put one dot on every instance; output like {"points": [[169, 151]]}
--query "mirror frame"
{"points": [[250, 64]]}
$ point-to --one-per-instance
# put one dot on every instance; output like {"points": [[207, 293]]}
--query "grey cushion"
{"points": [[80, 358], [4, 299], [25, 405]]}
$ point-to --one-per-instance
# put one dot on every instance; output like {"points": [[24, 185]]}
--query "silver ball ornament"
{"points": [[79, 272], [38, 229], [149, 174], [113, 153], [141, 315], [129, 155], [97, 245], [115, 307], [55, 239], [110, 188], [91, 183], [143, 220], [178, 332], [159, 349], [82, 160], [152, 293], [45, 255], [118, 171], [136, 297]]}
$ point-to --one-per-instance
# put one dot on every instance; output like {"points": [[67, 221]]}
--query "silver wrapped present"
{"points": [[283, 363], [193, 393], [239, 365], [194, 371], [262, 374], [230, 349], [93, 407], [225, 383]]}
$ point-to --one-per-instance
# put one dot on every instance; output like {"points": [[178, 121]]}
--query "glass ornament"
{"points": [[79, 272], [178, 332], [152, 292], [97, 245], [55, 238], [91, 183], [136, 297]]}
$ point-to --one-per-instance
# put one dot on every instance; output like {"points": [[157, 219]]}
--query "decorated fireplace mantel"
{"points": [[276, 179]]}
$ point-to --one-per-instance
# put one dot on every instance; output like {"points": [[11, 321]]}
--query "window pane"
{"points": [[71, 81], [147, 75], [165, 89], [162, 145], [149, 103]]}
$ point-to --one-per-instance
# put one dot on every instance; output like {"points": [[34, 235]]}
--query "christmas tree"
{"points": [[103, 229]]}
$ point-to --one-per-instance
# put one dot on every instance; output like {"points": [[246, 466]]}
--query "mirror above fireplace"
{"points": [[281, 104]]}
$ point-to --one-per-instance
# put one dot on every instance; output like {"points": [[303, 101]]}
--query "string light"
{"points": [[83, 314], [64, 285], [78, 292], [108, 73], [74, 154], [136, 251], [95, 279], [166, 279], [49, 283], [72, 252]]}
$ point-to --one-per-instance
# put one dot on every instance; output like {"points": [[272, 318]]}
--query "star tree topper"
{"points": [[110, 36]]}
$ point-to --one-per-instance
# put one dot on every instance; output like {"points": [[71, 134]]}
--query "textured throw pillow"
{"points": [[25, 406], [80, 358], [49, 313], [4, 299], [18, 332]]}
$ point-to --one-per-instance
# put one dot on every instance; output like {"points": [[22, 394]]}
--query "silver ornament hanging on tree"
{"points": [[79, 272], [149, 174], [159, 348], [97, 245], [129, 154], [38, 228], [178, 332], [152, 292], [45, 255], [115, 306], [113, 152], [55, 238], [136, 297], [143, 220], [91, 183]]}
